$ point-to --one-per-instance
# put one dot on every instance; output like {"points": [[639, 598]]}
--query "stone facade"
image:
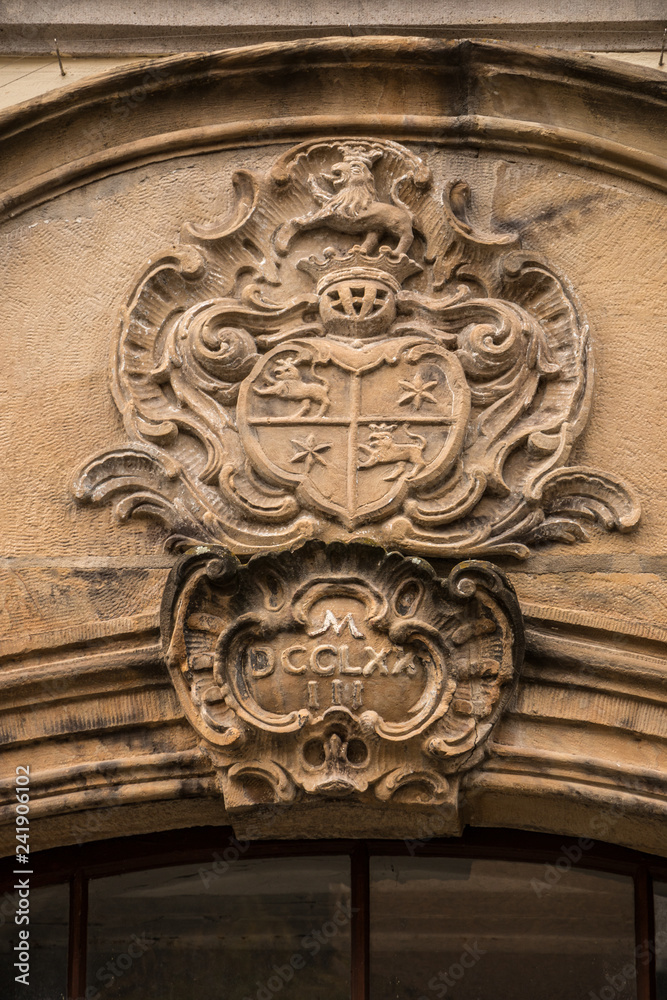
{"points": [[333, 492]]}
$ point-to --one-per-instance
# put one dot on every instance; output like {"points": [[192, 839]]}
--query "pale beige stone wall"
{"points": [[23, 78]]}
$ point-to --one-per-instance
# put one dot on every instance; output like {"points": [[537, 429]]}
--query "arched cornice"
{"points": [[463, 94]]}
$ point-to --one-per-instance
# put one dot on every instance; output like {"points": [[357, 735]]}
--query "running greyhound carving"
{"points": [[286, 383], [353, 206]]}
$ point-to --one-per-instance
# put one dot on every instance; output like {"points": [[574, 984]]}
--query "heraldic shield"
{"points": [[354, 428], [351, 346]]}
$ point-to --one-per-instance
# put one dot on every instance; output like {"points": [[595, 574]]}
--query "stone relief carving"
{"points": [[349, 356], [340, 670]]}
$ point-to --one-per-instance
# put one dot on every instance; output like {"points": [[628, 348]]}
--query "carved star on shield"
{"points": [[417, 392], [308, 451]]}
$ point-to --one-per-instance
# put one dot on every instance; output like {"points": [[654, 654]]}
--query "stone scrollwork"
{"points": [[349, 356], [340, 671]]}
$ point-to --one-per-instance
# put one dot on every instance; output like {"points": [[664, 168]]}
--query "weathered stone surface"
{"points": [[340, 671], [427, 401], [570, 157]]}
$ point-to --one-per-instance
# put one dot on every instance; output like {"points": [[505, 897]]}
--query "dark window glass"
{"points": [[661, 937], [47, 945], [474, 930], [250, 930]]}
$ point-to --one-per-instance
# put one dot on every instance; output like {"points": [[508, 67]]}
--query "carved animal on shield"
{"points": [[286, 382], [353, 205], [382, 449]]}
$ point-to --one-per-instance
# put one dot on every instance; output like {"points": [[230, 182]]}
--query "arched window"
{"points": [[199, 913]]}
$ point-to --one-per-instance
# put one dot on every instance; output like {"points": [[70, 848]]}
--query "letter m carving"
{"points": [[330, 621]]}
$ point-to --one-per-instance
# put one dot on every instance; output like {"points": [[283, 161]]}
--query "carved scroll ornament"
{"points": [[349, 356], [340, 670]]}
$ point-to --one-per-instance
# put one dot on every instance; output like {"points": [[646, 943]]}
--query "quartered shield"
{"points": [[353, 429]]}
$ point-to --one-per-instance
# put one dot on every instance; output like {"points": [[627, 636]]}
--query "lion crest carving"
{"points": [[353, 206]]}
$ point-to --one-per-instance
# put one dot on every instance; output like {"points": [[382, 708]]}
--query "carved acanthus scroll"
{"points": [[349, 356], [340, 671]]}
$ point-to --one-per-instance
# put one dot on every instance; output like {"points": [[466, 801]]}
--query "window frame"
{"points": [[78, 864]]}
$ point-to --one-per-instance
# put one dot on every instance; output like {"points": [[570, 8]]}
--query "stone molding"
{"points": [[114, 122], [121, 27], [114, 691]]}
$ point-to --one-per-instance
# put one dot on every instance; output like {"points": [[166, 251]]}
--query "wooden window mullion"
{"points": [[78, 935], [645, 934]]}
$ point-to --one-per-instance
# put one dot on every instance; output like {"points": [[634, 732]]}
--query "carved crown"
{"points": [[333, 266], [352, 151]]}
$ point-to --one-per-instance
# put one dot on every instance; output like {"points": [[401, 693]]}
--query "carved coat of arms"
{"points": [[348, 356]]}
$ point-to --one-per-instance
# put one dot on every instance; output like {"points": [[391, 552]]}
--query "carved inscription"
{"points": [[337, 665], [349, 353], [340, 670]]}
